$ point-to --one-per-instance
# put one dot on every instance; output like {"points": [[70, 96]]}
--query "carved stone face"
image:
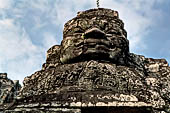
{"points": [[90, 37]]}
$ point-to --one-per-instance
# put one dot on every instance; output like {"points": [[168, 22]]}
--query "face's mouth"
{"points": [[96, 45]]}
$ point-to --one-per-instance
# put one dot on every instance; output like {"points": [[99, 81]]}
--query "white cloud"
{"points": [[14, 40], [42, 5], [49, 40], [19, 56], [5, 4], [67, 9]]}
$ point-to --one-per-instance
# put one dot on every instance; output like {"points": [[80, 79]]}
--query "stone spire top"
{"points": [[97, 3]]}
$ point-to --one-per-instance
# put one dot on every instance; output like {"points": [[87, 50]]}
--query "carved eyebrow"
{"points": [[111, 31], [77, 30]]}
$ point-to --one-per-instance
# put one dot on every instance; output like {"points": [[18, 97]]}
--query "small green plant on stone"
{"points": [[83, 36]]}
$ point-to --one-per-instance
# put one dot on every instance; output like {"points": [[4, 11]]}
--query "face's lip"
{"points": [[102, 47], [92, 45], [95, 51], [93, 42]]}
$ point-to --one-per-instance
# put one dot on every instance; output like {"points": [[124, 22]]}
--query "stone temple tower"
{"points": [[92, 71]]}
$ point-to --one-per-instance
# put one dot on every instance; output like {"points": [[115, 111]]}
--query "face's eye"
{"points": [[78, 30], [112, 32]]}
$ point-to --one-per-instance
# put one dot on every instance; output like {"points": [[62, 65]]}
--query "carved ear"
{"points": [[53, 57]]}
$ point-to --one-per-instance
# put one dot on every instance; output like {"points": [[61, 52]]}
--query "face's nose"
{"points": [[94, 33]]}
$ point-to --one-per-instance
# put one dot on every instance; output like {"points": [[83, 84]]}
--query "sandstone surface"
{"points": [[93, 71], [8, 90]]}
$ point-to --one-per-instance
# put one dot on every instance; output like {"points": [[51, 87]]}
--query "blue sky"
{"points": [[28, 28]]}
